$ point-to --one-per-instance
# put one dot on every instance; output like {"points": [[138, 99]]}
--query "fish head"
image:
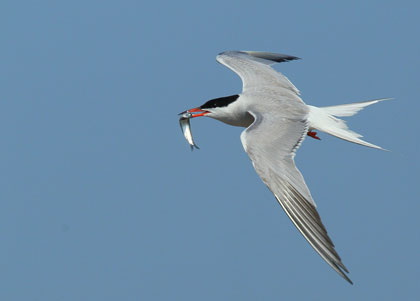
{"points": [[195, 112]]}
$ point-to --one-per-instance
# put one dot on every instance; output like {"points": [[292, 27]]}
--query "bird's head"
{"points": [[214, 108]]}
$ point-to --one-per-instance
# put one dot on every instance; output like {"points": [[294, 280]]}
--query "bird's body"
{"points": [[277, 121]]}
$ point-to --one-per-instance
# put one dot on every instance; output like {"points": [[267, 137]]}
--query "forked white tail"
{"points": [[325, 119]]}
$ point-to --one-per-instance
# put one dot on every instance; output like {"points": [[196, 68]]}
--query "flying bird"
{"points": [[277, 121]]}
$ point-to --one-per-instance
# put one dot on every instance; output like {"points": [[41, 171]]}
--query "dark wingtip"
{"points": [[292, 58], [285, 58], [348, 280], [274, 57], [270, 56]]}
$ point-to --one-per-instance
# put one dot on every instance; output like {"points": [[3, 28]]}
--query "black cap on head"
{"points": [[219, 102]]}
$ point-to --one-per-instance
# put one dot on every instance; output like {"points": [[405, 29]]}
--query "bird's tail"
{"points": [[325, 119]]}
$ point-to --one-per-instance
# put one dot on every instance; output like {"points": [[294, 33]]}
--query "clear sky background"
{"points": [[102, 199]]}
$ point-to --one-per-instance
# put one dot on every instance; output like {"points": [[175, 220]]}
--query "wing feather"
{"points": [[254, 69], [271, 143]]}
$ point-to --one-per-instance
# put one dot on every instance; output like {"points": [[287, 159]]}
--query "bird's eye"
{"points": [[219, 102]]}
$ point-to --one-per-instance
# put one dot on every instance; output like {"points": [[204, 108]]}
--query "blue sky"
{"points": [[101, 198]]}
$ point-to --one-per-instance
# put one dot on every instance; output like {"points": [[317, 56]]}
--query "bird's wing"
{"points": [[271, 141], [254, 69]]}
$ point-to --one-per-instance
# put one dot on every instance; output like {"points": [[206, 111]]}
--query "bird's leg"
{"points": [[313, 135]]}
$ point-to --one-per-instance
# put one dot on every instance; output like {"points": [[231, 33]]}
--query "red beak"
{"points": [[199, 112]]}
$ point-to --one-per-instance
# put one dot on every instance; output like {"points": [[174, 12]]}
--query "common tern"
{"points": [[277, 121]]}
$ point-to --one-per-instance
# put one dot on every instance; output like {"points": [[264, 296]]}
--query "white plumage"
{"points": [[277, 121]]}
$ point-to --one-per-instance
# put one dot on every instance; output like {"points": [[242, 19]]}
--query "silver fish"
{"points": [[184, 122]]}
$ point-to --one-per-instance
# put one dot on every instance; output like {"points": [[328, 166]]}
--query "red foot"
{"points": [[313, 135]]}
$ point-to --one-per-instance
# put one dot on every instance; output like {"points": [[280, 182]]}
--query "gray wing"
{"points": [[254, 69], [271, 142]]}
